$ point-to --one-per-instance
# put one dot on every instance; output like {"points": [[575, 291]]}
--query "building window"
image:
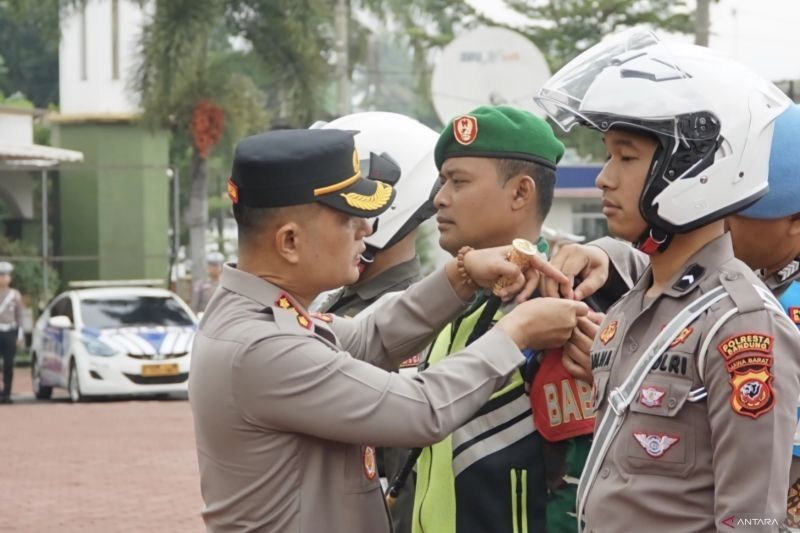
{"points": [[588, 220]]}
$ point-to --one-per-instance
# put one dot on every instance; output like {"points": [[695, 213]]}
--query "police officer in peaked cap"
{"points": [[287, 405]]}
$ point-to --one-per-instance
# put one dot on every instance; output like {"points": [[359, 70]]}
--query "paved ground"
{"points": [[111, 466]]}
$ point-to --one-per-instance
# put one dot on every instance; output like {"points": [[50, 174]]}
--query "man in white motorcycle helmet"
{"points": [[397, 149], [695, 370]]}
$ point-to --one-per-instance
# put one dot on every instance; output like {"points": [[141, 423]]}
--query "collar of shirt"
{"points": [[269, 295], [250, 286], [698, 267], [399, 274]]}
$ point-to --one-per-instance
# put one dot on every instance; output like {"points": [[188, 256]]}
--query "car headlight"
{"points": [[98, 347]]}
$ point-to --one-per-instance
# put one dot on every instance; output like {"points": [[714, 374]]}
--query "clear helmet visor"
{"points": [[631, 80]]}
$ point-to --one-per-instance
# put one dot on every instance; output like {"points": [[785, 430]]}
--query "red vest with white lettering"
{"points": [[561, 405]]}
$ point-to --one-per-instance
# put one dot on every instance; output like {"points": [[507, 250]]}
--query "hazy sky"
{"points": [[764, 34]]}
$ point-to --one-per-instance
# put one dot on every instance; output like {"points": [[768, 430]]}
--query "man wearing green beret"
{"points": [[497, 174]]}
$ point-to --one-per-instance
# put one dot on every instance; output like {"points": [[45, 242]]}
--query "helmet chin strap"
{"points": [[653, 240], [368, 255]]}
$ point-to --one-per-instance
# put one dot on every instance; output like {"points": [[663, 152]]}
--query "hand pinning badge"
{"points": [[522, 254]]}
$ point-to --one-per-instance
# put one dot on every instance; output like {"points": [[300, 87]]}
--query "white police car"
{"points": [[112, 341]]}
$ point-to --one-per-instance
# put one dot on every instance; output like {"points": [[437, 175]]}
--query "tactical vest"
{"points": [[489, 474]]}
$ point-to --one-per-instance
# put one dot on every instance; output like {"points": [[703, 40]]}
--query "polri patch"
{"points": [[655, 444], [745, 342], [465, 129], [748, 359]]}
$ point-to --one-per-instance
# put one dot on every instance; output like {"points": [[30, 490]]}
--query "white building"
{"points": [[98, 57]]}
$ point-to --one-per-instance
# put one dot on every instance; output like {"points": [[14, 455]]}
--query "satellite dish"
{"points": [[488, 66]]}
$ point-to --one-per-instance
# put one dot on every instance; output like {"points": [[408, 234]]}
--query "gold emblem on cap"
{"points": [[356, 163], [372, 202]]}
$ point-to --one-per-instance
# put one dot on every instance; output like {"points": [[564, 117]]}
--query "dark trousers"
{"points": [[8, 349]]}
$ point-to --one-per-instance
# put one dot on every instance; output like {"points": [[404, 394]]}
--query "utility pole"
{"points": [[342, 60], [702, 22]]}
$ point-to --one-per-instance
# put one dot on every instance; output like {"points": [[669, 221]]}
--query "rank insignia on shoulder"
{"points": [[794, 314], [325, 317], [370, 463], [689, 277], [608, 333], [655, 445], [411, 362], [284, 302], [651, 396]]}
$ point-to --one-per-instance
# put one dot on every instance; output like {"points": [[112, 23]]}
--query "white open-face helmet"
{"points": [[390, 137], [713, 119]]}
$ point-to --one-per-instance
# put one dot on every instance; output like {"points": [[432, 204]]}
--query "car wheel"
{"points": [[42, 392], [75, 395]]}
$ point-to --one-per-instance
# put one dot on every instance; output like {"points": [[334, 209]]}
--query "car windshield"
{"points": [[126, 311]]}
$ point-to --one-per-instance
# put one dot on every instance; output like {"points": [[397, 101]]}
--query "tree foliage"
{"points": [[27, 277], [29, 39], [564, 28]]}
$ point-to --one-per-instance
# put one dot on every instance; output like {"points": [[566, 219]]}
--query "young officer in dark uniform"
{"points": [[287, 407]]}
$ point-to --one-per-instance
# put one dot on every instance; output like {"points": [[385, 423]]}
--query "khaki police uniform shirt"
{"points": [[681, 462], [287, 407]]}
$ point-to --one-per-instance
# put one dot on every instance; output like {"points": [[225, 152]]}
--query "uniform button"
{"points": [[605, 472], [732, 276], [672, 402]]}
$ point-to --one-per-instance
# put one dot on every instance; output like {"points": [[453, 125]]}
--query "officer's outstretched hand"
{"points": [[542, 322], [488, 265], [590, 263]]}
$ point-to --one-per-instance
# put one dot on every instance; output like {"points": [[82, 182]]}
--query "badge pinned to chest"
{"points": [[651, 396], [370, 462], [655, 445], [609, 332]]}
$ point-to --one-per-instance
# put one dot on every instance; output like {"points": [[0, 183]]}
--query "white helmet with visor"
{"points": [[713, 119]]}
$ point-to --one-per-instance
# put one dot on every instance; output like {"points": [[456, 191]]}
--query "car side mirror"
{"points": [[60, 322]]}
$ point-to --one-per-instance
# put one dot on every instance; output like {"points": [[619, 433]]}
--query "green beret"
{"points": [[501, 132]]}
